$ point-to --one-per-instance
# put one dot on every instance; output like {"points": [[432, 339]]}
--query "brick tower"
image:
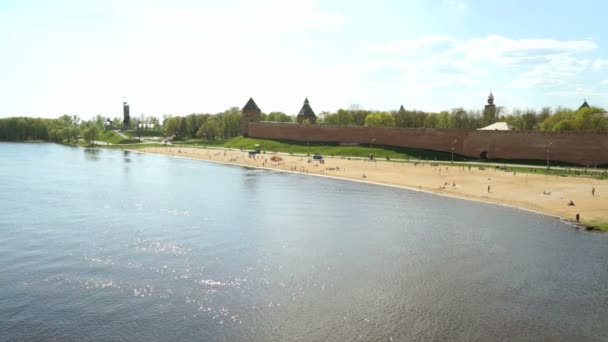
{"points": [[489, 112], [306, 113], [126, 121], [250, 113]]}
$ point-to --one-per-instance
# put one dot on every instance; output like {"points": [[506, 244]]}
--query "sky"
{"points": [[84, 57]]}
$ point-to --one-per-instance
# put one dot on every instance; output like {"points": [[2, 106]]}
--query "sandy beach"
{"points": [[550, 195]]}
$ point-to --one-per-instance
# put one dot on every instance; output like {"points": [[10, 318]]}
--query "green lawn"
{"points": [[135, 134], [600, 224], [113, 138]]}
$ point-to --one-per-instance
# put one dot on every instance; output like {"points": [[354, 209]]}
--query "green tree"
{"points": [[182, 131], [279, 117], [443, 120], [210, 129], [528, 121], [560, 114], [171, 126], [379, 119], [564, 125], [230, 122], [192, 124], [340, 118], [56, 135], [90, 134], [67, 134], [590, 119], [457, 118], [74, 133], [431, 120]]}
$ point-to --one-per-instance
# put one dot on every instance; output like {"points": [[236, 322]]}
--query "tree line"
{"points": [[558, 120], [223, 125], [63, 129], [227, 124]]}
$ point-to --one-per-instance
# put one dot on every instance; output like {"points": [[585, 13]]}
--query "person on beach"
{"points": [[593, 191], [578, 217], [488, 189]]}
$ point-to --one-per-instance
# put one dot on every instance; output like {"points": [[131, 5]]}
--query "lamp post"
{"points": [[308, 146], [453, 143], [139, 127], [370, 146], [548, 155]]}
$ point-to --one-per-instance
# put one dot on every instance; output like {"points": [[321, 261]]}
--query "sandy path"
{"points": [[535, 192]]}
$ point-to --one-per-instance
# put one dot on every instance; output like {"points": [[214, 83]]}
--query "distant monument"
{"points": [[401, 110], [489, 113], [306, 113], [584, 105], [126, 121], [251, 113]]}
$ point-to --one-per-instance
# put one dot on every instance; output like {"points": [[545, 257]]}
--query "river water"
{"points": [[113, 245]]}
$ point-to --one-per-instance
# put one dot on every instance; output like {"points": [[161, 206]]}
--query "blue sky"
{"points": [[179, 57]]}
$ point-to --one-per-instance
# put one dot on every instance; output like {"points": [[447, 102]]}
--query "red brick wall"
{"points": [[248, 116], [578, 148]]}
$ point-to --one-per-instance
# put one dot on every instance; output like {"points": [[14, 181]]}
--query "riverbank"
{"points": [[546, 194]]}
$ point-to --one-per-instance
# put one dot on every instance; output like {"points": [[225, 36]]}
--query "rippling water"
{"points": [[113, 245]]}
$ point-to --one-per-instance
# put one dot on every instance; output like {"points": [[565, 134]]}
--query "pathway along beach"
{"points": [[546, 194]]}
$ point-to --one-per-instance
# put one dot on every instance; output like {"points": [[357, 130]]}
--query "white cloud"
{"points": [[604, 82], [453, 5], [592, 95], [494, 48], [600, 64], [557, 70], [440, 64], [538, 57]]}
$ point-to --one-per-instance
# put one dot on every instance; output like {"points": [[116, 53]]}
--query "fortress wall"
{"points": [[431, 139], [578, 148]]}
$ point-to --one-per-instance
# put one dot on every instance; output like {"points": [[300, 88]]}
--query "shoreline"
{"points": [[260, 162]]}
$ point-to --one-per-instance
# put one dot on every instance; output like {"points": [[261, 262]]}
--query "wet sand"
{"points": [[545, 194]]}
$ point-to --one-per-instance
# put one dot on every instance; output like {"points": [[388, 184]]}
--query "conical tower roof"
{"points": [[306, 110], [584, 105], [251, 105]]}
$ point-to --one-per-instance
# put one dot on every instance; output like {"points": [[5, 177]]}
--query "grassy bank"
{"points": [[601, 225], [113, 138], [144, 133]]}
